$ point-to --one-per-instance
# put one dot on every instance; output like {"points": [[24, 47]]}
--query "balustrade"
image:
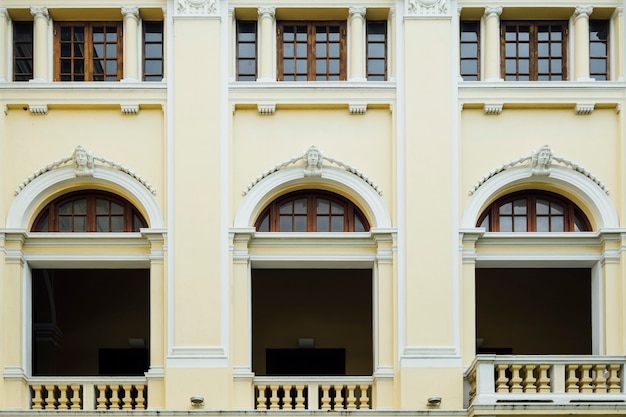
{"points": [[555, 379], [102, 394], [320, 394]]}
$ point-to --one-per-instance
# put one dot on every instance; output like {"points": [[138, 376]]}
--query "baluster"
{"points": [[502, 381], [585, 378], [364, 400], [543, 382], [261, 401], [351, 397], [325, 397], [613, 380], [140, 401], [63, 400], [75, 397], [516, 380], [101, 402], [600, 385], [115, 397], [287, 405], [274, 397], [127, 401], [37, 403], [299, 397], [572, 380], [50, 399], [529, 378]]}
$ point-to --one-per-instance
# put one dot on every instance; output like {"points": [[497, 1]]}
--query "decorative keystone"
{"points": [[266, 109], [38, 108], [493, 109]]}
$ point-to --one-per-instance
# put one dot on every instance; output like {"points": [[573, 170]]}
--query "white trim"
{"points": [[32, 197], [197, 357], [339, 178], [430, 357], [603, 212]]}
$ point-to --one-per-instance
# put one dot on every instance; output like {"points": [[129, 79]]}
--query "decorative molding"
{"points": [[5, 109], [618, 108], [493, 11], [357, 108], [584, 109], [38, 108], [129, 108], [493, 109], [357, 11], [312, 168], [541, 160], [197, 357], [582, 11], [427, 7], [40, 12], [84, 165], [266, 109], [267, 11], [196, 7], [132, 12]]}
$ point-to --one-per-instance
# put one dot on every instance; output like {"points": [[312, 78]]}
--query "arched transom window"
{"points": [[533, 211], [89, 211], [311, 211]]}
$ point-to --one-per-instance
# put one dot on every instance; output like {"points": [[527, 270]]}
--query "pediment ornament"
{"points": [[84, 163], [428, 7], [312, 162], [196, 7], [539, 162]]}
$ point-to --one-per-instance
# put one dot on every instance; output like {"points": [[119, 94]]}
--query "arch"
{"points": [[591, 198], [38, 192], [334, 179]]}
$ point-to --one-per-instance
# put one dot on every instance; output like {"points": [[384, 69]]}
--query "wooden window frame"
{"points": [[145, 42], [533, 44], [311, 49], [272, 211], [28, 60], [467, 76], [88, 60], [604, 75], [571, 212], [376, 76], [51, 211], [239, 59]]}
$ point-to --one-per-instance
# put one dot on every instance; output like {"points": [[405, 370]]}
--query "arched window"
{"points": [[89, 211], [311, 211], [533, 211]]}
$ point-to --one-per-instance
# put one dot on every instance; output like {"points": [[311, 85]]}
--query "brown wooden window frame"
{"points": [[572, 214], [311, 58], [241, 42], [23, 51], [534, 46], [594, 56], [51, 212], [463, 57], [148, 45], [372, 57], [272, 211], [88, 53]]}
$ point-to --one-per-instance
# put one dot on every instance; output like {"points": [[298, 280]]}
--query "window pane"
{"points": [[102, 206], [557, 224], [520, 207], [323, 224], [520, 224], [506, 208], [323, 206], [300, 224], [80, 224], [358, 225], [264, 226], [506, 224], [469, 50], [543, 224], [285, 223], [102, 224], [300, 206], [65, 224], [117, 224], [337, 224], [543, 207], [80, 206]]}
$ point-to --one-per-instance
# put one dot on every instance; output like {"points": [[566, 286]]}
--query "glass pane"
{"points": [[245, 50], [285, 223], [579, 225], [154, 67], [485, 223], [111, 35], [80, 206], [469, 67], [556, 209], [79, 49], [66, 34], [524, 66], [597, 65], [117, 208], [334, 66], [79, 34], [557, 224], [66, 50], [288, 66], [542, 49], [65, 224], [301, 66], [102, 206], [98, 34], [469, 50], [117, 224], [543, 224], [98, 51], [358, 225], [98, 66], [523, 50], [300, 206], [520, 207], [377, 50], [43, 224], [333, 50], [323, 224], [337, 224], [337, 208], [556, 66], [112, 51], [520, 224], [111, 66], [506, 208], [597, 49], [543, 207], [556, 50], [80, 224], [288, 49], [320, 66], [543, 66], [102, 223], [264, 226], [506, 224], [323, 206], [300, 224]]}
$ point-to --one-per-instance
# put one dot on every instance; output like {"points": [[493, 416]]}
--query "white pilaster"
{"points": [[492, 43], [131, 48], [40, 45], [4, 45], [266, 42], [357, 44], [581, 43]]}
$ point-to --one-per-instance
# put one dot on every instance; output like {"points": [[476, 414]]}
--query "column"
{"points": [[40, 44], [131, 50], [357, 44], [4, 45], [618, 49], [492, 43], [581, 43], [266, 42]]}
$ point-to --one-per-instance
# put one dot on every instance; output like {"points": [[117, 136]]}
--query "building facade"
{"points": [[391, 207]]}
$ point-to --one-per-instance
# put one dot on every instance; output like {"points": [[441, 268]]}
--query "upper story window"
{"points": [[376, 50], [246, 50], [22, 51], [311, 51], [152, 51], [312, 211], [534, 51], [88, 51], [533, 211], [89, 211], [470, 50], [599, 49]]}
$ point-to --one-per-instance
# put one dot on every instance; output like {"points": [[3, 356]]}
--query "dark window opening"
{"points": [[376, 50], [470, 50], [22, 51], [246, 50], [153, 51], [599, 49]]}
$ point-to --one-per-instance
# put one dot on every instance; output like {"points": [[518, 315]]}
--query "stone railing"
{"points": [[546, 379], [104, 393], [313, 393]]}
